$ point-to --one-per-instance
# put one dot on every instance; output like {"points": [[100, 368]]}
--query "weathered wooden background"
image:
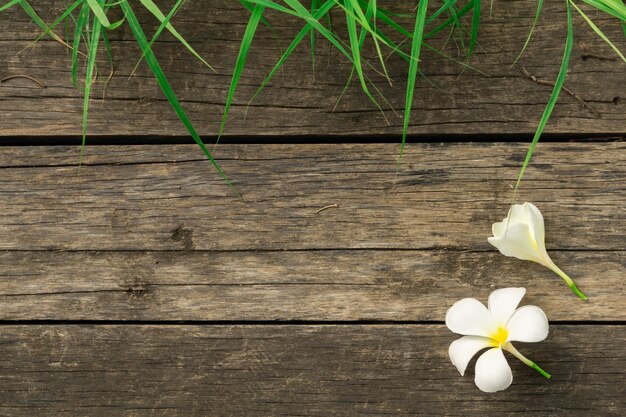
{"points": [[139, 284]]}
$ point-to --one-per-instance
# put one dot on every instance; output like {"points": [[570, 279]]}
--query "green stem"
{"points": [[510, 348], [569, 281], [541, 371]]}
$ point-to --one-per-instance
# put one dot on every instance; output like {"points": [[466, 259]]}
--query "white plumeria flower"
{"points": [[494, 328], [522, 236]]}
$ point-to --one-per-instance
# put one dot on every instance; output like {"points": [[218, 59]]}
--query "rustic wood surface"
{"points": [[155, 234], [299, 101], [444, 197], [139, 284], [311, 285], [152, 234], [296, 370]]}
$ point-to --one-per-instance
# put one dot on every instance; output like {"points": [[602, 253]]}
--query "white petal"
{"points": [[518, 214], [498, 229], [518, 243], [536, 224], [492, 371], [503, 302], [463, 350], [528, 324], [470, 317]]}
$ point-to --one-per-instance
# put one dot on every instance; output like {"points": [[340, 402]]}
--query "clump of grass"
{"points": [[364, 20]]}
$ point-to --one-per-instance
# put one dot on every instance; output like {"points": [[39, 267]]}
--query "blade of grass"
{"points": [[39, 21], [48, 29], [558, 85], [153, 63], [439, 11], [81, 22], [532, 29], [321, 11], [367, 28], [396, 48], [368, 15], [250, 8], [172, 12], [475, 26], [244, 47], [356, 53], [458, 29], [273, 5], [314, 7], [300, 11], [598, 31], [154, 9], [91, 63], [9, 4], [97, 10], [456, 15], [416, 44], [620, 13]]}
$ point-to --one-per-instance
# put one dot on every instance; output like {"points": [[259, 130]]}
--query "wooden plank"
{"points": [[444, 197], [301, 285], [300, 102], [296, 370]]}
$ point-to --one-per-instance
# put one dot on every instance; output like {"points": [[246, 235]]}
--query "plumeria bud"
{"points": [[494, 328], [522, 236]]}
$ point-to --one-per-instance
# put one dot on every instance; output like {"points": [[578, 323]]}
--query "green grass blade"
{"points": [[91, 64], [321, 11], [532, 30], [153, 63], [456, 15], [387, 20], [39, 21], [172, 12], [418, 33], [154, 9], [475, 26], [97, 10], [367, 28], [48, 29], [558, 85], [9, 4], [250, 8], [300, 11], [356, 52], [371, 11], [116, 24], [598, 31], [458, 28], [272, 5], [248, 35], [439, 11], [620, 13], [81, 23], [314, 7]]}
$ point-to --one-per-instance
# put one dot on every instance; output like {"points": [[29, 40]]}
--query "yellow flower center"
{"points": [[500, 336]]}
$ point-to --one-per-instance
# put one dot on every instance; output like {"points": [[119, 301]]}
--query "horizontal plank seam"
{"points": [[52, 322], [29, 140], [330, 249]]}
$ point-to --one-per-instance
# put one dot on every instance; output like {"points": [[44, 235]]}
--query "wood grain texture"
{"points": [[444, 197], [338, 285], [299, 101], [296, 370]]}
